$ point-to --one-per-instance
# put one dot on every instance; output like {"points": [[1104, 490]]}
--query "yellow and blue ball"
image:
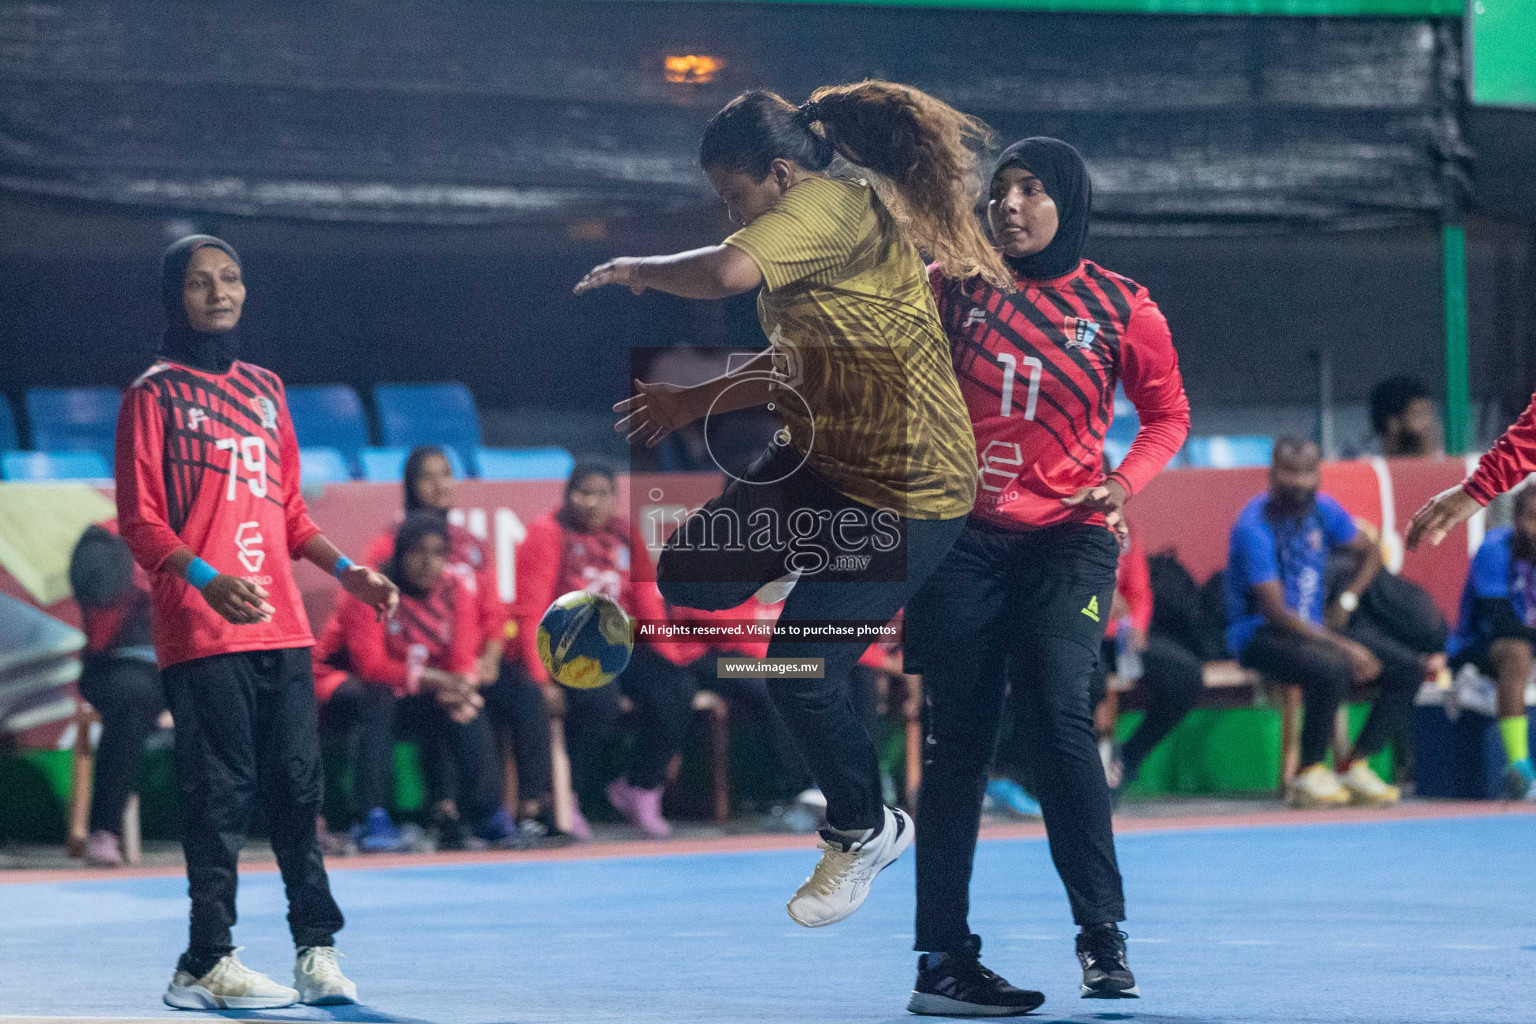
{"points": [[585, 640]]}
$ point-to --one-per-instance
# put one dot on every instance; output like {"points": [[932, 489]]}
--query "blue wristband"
{"points": [[342, 565], [199, 573]]}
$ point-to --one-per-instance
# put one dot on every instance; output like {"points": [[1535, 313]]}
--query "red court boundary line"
{"points": [[1416, 811]]}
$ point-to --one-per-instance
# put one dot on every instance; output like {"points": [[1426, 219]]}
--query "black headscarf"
{"points": [[417, 526], [413, 463], [213, 351], [1061, 170]]}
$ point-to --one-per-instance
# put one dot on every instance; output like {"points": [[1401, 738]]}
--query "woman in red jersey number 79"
{"points": [[208, 501], [1024, 595]]}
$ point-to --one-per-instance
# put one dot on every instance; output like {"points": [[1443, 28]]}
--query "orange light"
{"points": [[692, 69]]}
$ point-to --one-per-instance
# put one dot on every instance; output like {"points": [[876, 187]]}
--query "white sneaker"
{"points": [[229, 985], [841, 881], [318, 977], [1365, 786], [1316, 787]]}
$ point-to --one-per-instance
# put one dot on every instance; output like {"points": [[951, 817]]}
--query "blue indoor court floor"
{"points": [[1361, 922]]}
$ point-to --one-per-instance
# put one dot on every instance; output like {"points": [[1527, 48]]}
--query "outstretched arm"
{"points": [[714, 272]]}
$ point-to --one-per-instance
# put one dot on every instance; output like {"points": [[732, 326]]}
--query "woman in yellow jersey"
{"points": [[870, 480]]}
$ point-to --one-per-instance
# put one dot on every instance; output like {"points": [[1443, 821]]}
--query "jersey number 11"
{"points": [[1010, 367]]}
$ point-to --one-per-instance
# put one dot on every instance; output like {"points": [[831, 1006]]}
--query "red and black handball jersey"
{"points": [[437, 630], [468, 559], [1511, 459], [1038, 369], [210, 461]]}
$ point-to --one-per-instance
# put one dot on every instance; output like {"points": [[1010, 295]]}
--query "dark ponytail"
{"points": [[926, 149]]}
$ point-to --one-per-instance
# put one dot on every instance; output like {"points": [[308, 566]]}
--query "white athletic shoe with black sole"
{"points": [[841, 881], [318, 977], [229, 985]]}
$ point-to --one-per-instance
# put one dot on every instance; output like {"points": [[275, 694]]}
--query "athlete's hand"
{"points": [[1365, 664], [372, 588], [655, 411], [240, 601], [1107, 498], [1440, 515], [620, 271]]}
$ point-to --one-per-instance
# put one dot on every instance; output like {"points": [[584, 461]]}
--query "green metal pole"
{"points": [[1458, 402]]}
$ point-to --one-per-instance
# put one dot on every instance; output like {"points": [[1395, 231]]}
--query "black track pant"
{"points": [[127, 694], [246, 731], [1324, 674], [1173, 678], [697, 570], [1026, 609], [662, 694], [516, 705]]}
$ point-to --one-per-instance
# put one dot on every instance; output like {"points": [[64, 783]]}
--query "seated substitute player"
{"points": [[1172, 675], [208, 500], [117, 675], [1275, 593], [1023, 596], [1497, 631], [417, 671], [585, 545], [513, 702]]}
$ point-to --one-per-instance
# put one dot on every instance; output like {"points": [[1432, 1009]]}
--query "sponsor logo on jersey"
{"points": [[1081, 333], [196, 418], [248, 543], [975, 316], [268, 410]]}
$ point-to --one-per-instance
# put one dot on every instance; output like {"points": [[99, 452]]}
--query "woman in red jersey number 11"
{"points": [[1024, 595], [208, 501]]}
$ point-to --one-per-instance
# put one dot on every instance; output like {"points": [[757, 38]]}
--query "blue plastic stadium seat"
{"points": [[330, 416], [524, 463], [323, 465], [9, 440], [388, 464], [444, 414], [73, 419], [1229, 452], [54, 466]]}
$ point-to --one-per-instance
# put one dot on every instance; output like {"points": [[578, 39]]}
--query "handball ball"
{"points": [[585, 640]]}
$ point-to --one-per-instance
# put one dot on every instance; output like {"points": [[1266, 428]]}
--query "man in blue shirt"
{"points": [[1497, 629], [1283, 626]]}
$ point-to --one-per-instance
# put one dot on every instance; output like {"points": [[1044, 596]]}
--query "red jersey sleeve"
{"points": [[142, 517], [538, 568], [379, 550], [1511, 459], [492, 611], [464, 645], [1153, 383], [301, 528], [367, 649], [1135, 584]]}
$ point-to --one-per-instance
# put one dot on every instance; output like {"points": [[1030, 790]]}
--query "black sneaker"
{"points": [[956, 985], [1106, 975]]}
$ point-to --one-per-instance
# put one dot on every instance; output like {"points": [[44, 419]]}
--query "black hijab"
{"points": [[212, 351], [413, 463], [1061, 170], [417, 527]]}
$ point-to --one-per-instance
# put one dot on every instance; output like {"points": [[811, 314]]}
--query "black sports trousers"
{"points": [[698, 569], [127, 694], [247, 731], [1026, 609]]}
